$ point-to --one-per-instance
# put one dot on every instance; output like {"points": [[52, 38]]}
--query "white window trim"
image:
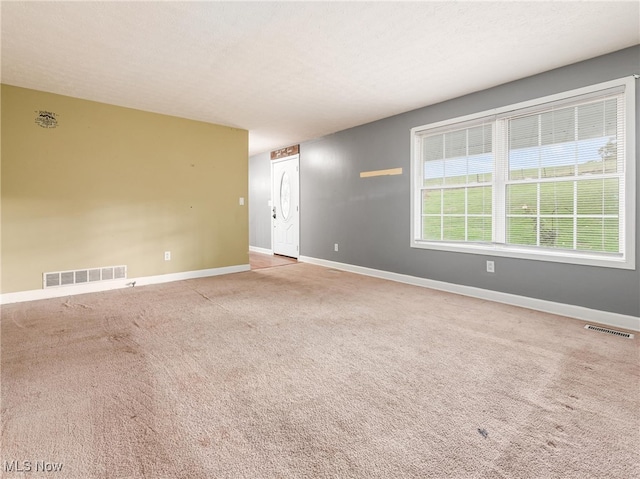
{"points": [[627, 261]]}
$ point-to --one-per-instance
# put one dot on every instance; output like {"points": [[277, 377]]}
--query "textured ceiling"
{"points": [[293, 71]]}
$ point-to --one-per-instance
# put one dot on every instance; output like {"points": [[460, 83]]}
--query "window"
{"points": [[550, 179]]}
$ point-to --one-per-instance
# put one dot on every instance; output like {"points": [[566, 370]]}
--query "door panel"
{"points": [[285, 206]]}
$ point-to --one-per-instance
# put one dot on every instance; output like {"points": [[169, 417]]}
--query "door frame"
{"points": [[273, 200]]}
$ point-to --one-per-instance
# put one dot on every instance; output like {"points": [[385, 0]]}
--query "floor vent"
{"points": [[609, 331], [81, 276]]}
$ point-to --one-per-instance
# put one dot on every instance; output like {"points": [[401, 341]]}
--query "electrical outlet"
{"points": [[241, 201], [167, 255], [491, 267], [335, 247]]}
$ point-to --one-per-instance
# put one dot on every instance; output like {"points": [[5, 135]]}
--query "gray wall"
{"points": [[369, 217], [259, 196]]}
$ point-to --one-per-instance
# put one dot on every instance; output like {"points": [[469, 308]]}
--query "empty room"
{"points": [[320, 240]]}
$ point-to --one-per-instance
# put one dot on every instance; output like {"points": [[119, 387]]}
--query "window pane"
{"points": [[590, 234], [455, 144], [479, 229], [488, 138], [431, 229], [590, 197], [522, 230], [524, 150], [611, 117], [433, 156], [557, 126], [556, 232], [591, 121], [522, 199], [609, 156], [480, 168], [577, 140], [558, 160], [590, 161], [433, 173], [556, 198], [432, 202], [594, 154], [479, 140], [611, 196], [453, 228], [475, 141], [479, 200], [523, 132], [524, 163], [432, 148], [597, 234], [588, 144], [599, 155], [455, 171], [454, 201], [458, 157], [611, 237], [598, 197]]}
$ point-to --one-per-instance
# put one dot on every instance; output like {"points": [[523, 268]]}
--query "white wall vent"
{"points": [[79, 276]]}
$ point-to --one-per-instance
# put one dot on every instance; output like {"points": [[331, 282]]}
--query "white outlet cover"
{"points": [[241, 201]]}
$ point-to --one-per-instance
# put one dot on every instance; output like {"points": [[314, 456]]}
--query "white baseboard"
{"points": [[578, 312], [72, 290], [255, 249]]}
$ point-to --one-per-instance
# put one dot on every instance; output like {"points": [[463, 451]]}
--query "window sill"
{"points": [[509, 251]]}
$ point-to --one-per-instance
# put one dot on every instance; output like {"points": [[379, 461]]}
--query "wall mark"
{"points": [[46, 119]]}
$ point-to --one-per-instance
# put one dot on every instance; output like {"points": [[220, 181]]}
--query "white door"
{"points": [[285, 208]]}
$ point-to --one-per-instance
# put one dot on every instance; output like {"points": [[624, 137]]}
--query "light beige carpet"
{"points": [[302, 372]]}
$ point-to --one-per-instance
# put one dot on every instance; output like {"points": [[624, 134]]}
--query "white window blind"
{"points": [[457, 185], [565, 178]]}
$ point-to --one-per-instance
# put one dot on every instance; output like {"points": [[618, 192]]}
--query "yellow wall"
{"points": [[112, 185]]}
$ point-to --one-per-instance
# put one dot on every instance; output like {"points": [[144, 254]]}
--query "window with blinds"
{"points": [[549, 179], [458, 185], [565, 182]]}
